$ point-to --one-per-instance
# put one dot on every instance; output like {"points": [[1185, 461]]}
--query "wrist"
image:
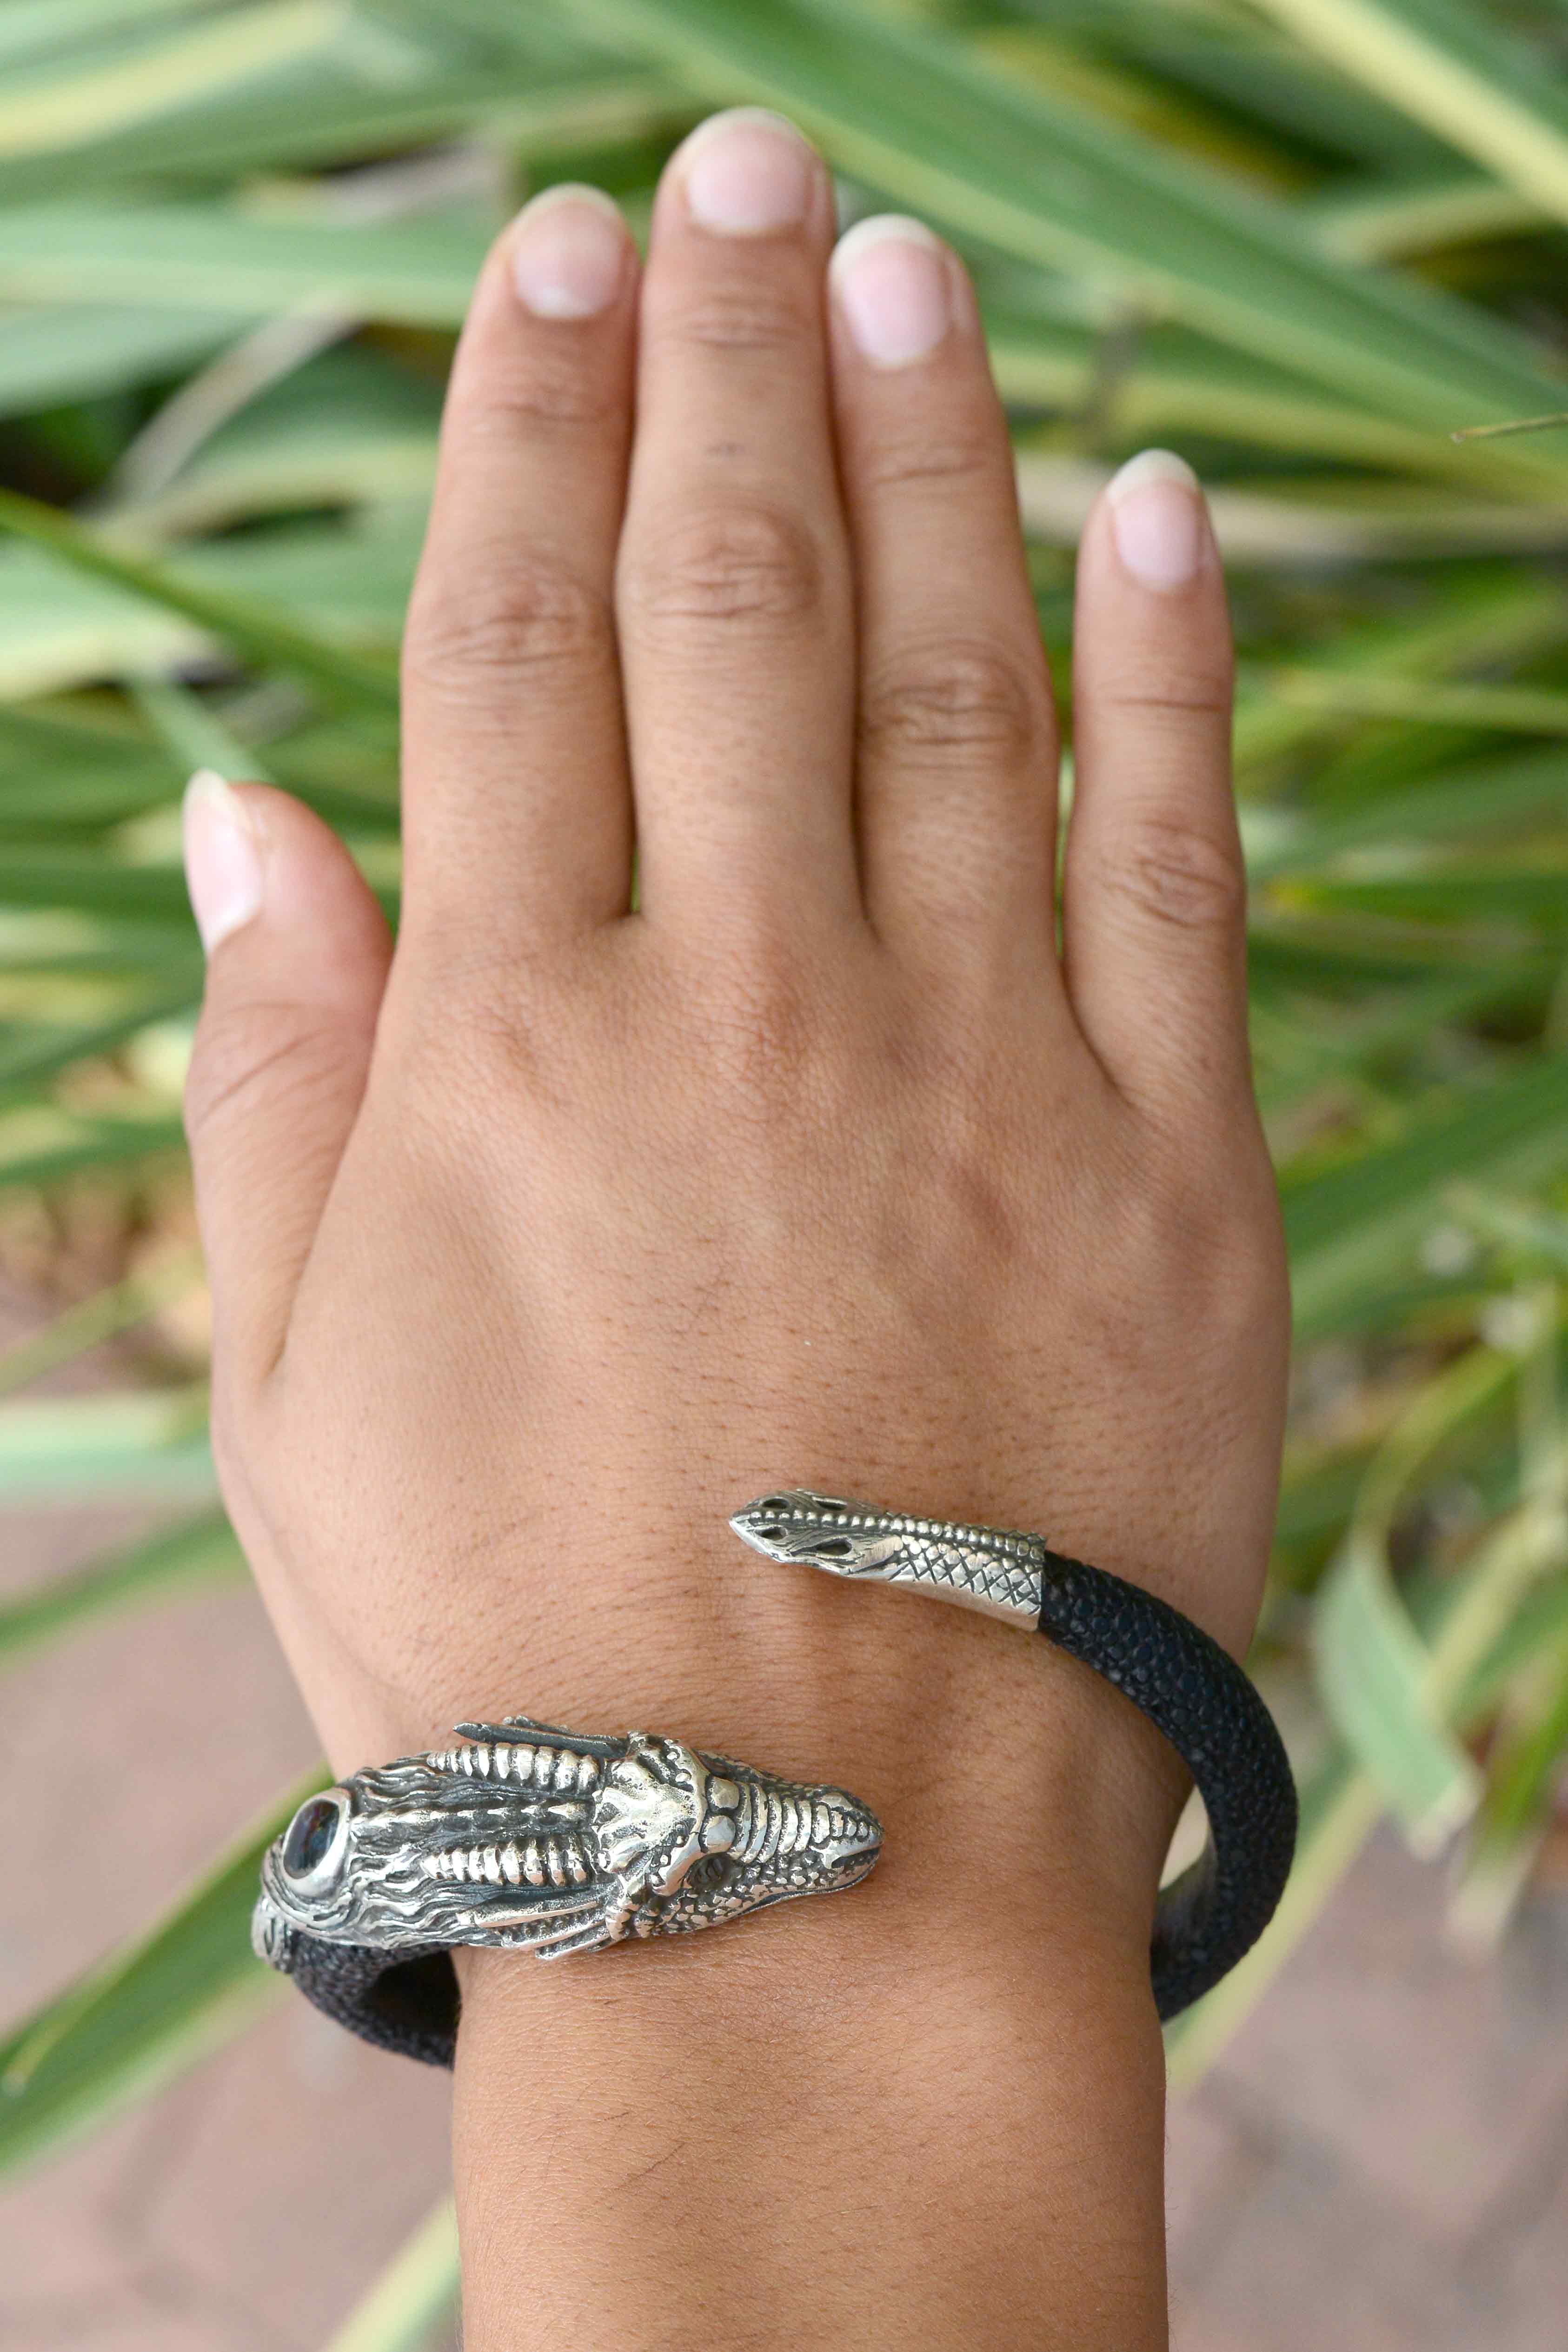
{"points": [[834, 2127]]}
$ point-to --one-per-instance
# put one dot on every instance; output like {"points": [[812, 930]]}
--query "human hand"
{"points": [[540, 1247]]}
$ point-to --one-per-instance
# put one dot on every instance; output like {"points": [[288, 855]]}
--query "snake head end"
{"points": [[819, 1530]]}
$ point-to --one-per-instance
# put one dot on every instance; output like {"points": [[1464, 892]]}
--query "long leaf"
{"points": [[165, 2001], [197, 1551], [58, 351], [1340, 1805], [58, 1450], [414, 2294], [1371, 1676], [88, 1144], [1345, 1224], [190, 61], [1442, 62], [210, 257], [268, 638], [910, 113]]}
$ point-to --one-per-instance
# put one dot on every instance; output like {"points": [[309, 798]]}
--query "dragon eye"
{"points": [[316, 1841], [833, 1548]]}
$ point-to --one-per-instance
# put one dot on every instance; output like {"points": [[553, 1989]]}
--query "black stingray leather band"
{"points": [[531, 1838], [1194, 1693]]}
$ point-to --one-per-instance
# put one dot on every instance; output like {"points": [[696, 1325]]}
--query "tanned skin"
{"points": [[543, 1242]]}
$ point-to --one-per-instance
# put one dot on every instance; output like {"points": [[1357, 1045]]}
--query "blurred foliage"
{"points": [[1305, 240]]}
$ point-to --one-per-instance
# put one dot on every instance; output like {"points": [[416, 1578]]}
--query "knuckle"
{"points": [[754, 1024], [956, 698], [1176, 874], [540, 392], [492, 1017], [488, 623], [288, 1053], [754, 317], [732, 563], [1196, 690], [959, 457]]}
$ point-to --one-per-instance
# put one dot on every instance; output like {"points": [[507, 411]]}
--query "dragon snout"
{"points": [[844, 1836]]}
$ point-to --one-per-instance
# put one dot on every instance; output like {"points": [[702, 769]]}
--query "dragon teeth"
{"points": [[511, 1864], [533, 1865]]}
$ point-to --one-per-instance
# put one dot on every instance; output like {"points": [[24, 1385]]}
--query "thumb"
{"points": [[298, 951]]}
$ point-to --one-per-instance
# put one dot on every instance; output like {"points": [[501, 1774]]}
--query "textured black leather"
{"points": [[1194, 1693], [1182, 1681], [407, 2002]]}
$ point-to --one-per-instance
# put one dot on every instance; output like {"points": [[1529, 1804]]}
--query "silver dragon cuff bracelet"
{"points": [[539, 1840], [531, 1838]]}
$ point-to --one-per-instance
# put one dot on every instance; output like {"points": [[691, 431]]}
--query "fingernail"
{"points": [[891, 279], [746, 173], [223, 858], [569, 252], [1158, 519]]}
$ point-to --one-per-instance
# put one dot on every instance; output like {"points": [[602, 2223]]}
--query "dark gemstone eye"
{"points": [[310, 1834]]}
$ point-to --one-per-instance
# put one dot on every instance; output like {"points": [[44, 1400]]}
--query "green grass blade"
{"points": [[119, 1306], [1443, 63], [54, 27], [94, 884], [1390, 221], [1371, 1676], [264, 636], [415, 2294], [1176, 384], [39, 1056], [56, 1450], [1351, 1226], [94, 97], [195, 734], [97, 1144], [910, 113], [418, 272], [1509, 710], [198, 1552], [165, 2002], [1340, 1805], [57, 351]]}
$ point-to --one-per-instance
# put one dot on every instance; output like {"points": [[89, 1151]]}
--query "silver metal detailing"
{"points": [[541, 1840], [551, 1842], [998, 1570]]}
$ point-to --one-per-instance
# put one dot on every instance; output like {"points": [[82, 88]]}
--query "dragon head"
{"points": [[550, 1842]]}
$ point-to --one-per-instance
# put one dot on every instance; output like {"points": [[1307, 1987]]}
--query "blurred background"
{"points": [[1305, 242]]}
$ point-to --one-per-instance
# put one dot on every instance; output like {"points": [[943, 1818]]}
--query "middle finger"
{"points": [[734, 592]]}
